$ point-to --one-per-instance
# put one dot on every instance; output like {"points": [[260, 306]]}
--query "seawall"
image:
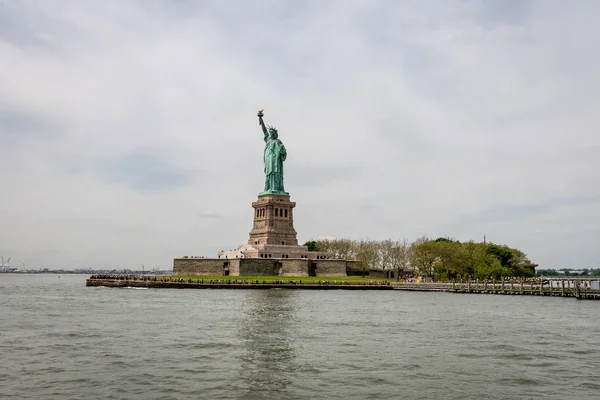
{"points": [[123, 283], [574, 290]]}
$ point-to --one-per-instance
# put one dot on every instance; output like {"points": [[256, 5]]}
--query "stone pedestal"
{"points": [[273, 221]]}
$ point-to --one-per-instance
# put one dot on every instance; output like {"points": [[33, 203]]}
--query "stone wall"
{"points": [[275, 251], [294, 267], [257, 267], [379, 273], [234, 267], [226, 285], [330, 267], [281, 251], [200, 266]]}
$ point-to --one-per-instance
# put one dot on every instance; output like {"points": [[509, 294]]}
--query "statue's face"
{"points": [[272, 134]]}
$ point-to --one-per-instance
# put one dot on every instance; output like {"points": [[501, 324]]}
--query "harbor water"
{"points": [[62, 340]]}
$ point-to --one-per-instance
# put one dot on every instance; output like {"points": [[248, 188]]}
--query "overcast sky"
{"points": [[129, 134]]}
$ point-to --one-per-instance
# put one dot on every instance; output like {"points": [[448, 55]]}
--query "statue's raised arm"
{"points": [[262, 124]]}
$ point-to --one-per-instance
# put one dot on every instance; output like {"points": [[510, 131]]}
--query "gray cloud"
{"points": [[209, 214], [122, 122], [512, 212], [146, 173]]}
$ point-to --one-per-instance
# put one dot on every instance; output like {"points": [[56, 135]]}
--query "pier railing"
{"points": [[578, 288]]}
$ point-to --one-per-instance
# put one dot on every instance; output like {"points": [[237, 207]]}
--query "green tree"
{"points": [[338, 248], [367, 254], [488, 267], [451, 258], [423, 256], [519, 259], [312, 245], [501, 253], [473, 254], [444, 257], [395, 255]]}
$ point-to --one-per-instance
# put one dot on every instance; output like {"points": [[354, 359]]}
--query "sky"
{"points": [[129, 134]]}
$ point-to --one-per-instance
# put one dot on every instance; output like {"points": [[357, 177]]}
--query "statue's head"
{"points": [[273, 132]]}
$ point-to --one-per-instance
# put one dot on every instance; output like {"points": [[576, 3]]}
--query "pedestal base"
{"points": [[273, 221]]}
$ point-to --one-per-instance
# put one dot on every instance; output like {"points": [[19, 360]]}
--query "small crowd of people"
{"points": [[235, 281], [120, 277]]}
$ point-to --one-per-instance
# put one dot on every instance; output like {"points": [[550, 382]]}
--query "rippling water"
{"points": [[62, 340]]}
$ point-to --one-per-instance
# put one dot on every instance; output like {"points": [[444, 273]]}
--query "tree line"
{"points": [[441, 258]]}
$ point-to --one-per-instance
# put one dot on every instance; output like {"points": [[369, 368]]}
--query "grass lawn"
{"points": [[304, 279]]}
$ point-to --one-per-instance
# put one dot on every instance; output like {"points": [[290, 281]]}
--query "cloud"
{"points": [[400, 119], [326, 238], [145, 172], [209, 214], [512, 212]]}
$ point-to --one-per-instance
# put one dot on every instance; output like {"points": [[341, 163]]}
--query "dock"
{"points": [[578, 288]]}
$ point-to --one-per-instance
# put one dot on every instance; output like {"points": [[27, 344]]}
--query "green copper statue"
{"points": [[274, 156]]}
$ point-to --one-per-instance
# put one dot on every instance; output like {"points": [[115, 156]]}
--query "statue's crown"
{"points": [[272, 128]]}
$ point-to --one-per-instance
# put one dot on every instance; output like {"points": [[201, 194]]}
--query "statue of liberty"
{"points": [[274, 156]]}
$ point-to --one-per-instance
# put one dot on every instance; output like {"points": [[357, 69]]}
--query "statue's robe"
{"points": [[274, 157]]}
